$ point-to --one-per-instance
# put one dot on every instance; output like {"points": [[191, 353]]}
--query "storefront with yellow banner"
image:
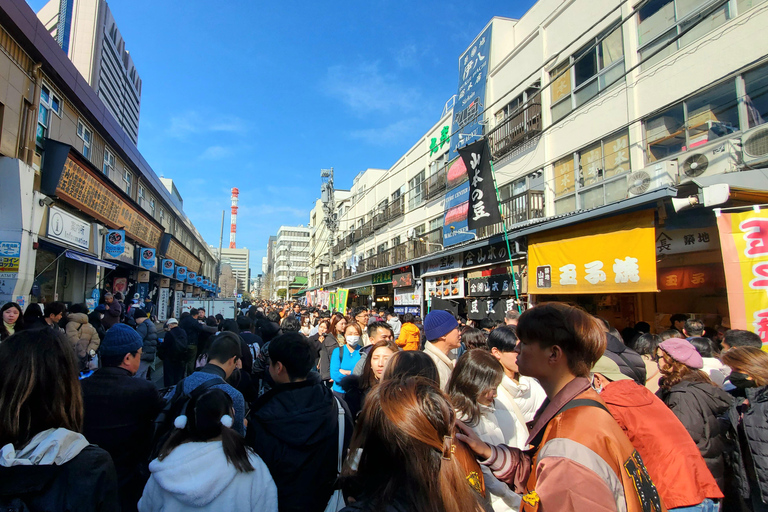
{"points": [[605, 266]]}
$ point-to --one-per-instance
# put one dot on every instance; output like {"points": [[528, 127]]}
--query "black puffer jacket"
{"points": [[148, 333], [749, 460], [698, 406], [630, 362]]}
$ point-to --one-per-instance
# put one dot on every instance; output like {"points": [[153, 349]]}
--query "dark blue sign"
{"points": [[181, 273], [470, 99], [115, 243], [168, 267], [147, 258]]}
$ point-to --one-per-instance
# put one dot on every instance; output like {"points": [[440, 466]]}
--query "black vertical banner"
{"points": [[483, 204]]}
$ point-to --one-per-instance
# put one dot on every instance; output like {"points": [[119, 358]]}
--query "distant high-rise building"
{"points": [[239, 260], [88, 34]]}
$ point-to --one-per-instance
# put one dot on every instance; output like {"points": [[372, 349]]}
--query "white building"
{"points": [[87, 32], [320, 243], [291, 253], [239, 261]]}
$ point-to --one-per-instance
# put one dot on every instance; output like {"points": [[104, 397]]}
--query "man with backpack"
{"points": [[120, 410], [294, 427]]}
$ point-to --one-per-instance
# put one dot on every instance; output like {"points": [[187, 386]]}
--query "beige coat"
{"points": [[81, 334]]}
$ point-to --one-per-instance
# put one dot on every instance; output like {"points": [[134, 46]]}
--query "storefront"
{"points": [[383, 291], [408, 291]]}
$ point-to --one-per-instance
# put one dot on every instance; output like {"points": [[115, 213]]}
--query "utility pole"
{"points": [[331, 218]]}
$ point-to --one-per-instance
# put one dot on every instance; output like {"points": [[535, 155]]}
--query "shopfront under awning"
{"points": [[91, 260]]}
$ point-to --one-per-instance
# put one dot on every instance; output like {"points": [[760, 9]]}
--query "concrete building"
{"points": [[73, 182], [291, 253], [88, 34], [320, 242], [596, 117], [240, 263]]}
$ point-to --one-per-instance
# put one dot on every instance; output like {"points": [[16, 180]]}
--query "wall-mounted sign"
{"points": [[114, 244], [382, 278], [173, 249], [191, 277], [181, 273], [168, 267], [693, 276], [456, 206], [494, 285], [179, 287], [10, 256], [142, 276], [447, 286], [165, 282], [409, 297], [147, 258], [446, 263], [73, 182], [65, 227], [477, 309], [490, 254], [402, 279], [483, 204], [680, 241], [163, 300]]}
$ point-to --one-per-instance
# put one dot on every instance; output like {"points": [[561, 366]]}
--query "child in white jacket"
{"points": [[205, 465], [472, 389]]}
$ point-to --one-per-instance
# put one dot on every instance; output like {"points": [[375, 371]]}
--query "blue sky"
{"points": [[261, 96]]}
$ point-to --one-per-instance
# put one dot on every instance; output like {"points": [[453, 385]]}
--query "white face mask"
{"points": [[353, 340], [592, 385]]}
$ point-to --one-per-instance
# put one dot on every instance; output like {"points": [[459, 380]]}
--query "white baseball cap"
{"points": [[171, 321]]}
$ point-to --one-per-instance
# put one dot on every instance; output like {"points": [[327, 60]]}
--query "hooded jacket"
{"points": [[197, 476], [630, 362], [396, 325], [81, 334], [58, 470], [410, 337], [698, 406], [669, 453], [111, 314], [528, 395], [295, 432]]}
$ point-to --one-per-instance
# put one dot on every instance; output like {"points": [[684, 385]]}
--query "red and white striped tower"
{"points": [[233, 227]]}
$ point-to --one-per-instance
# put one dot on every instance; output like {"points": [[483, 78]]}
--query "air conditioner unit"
{"points": [[754, 145], [717, 158], [662, 174]]}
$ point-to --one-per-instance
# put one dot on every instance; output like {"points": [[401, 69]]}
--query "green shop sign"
{"points": [[382, 278]]}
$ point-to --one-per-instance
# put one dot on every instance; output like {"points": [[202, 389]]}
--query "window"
{"points": [[420, 229], [162, 214], [109, 162], [128, 179], [152, 206], [598, 65], [49, 102], [756, 99], [659, 21], [693, 122], [140, 197], [382, 248], [436, 223], [86, 135], [396, 241], [533, 181], [745, 5], [416, 191], [594, 176]]}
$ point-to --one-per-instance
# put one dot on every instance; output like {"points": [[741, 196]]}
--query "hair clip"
{"points": [[448, 447], [227, 420], [180, 422]]}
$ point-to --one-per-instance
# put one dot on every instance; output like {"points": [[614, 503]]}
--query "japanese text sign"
{"points": [[10, 256], [679, 241], [744, 244], [694, 276], [169, 267], [483, 207], [382, 278], [115, 242], [456, 206], [614, 255]]}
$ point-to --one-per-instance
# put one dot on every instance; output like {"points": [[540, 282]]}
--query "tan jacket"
{"points": [[81, 334], [444, 364]]}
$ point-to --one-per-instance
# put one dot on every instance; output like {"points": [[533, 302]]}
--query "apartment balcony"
{"points": [[395, 209], [367, 229], [517, 209], [380, 219], [515, 130], [435, 184]]}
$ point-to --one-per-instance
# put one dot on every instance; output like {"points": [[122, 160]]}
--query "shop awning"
{"points": [[91, 260]]}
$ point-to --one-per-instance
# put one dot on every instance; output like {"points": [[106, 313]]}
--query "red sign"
{"points": [[695, 276]]}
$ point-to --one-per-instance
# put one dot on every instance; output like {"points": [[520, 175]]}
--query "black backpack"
{"points": [[175, 406]]}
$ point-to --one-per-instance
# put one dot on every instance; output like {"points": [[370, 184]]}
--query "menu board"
{"points": [[90, 195], [447, 286]]}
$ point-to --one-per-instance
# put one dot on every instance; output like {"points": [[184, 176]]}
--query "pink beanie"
{"points": [[682, 351]]}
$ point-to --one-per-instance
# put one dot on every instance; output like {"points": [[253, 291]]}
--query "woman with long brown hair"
{"points": [[749, 372], [402, 456], [357, 388], [695, 400], [45, 462]]}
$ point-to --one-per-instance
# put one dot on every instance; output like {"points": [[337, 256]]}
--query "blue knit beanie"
{"points": [[120, 340], [438, 323]]}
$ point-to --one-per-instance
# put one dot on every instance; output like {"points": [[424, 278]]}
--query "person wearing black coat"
{"points": [[148, 332], [630, 362], [120, 411], [196, 334], [94, 318], [173, 351]]}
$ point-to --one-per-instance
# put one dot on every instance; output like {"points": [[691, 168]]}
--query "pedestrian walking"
{"points": [[344, 358], [442, 331], [206, 465], [112, 311], [409, 336], [357, 387], [82, 336], [148, 332], [173, 352], [45, 462]]}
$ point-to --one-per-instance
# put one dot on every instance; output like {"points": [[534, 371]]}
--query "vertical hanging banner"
{"points": [[168, 267], [115, 242], [163, 300], [341, 297], [147, 258], [483, 204], [191, 277], [744, 244], [181, 273]]}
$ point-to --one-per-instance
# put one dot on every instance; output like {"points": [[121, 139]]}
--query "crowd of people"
{"points": [[302, 409]]}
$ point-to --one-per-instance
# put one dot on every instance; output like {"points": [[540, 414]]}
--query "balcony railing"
{"points": [[435, 184], [515, 130], [367, 229], [395, 209], [517, 209]]}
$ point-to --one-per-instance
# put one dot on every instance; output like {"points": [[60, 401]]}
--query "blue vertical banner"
{"points": [[168, 267], [199, 281], [181, 273], [147, 258], [470, 98], [115, 242], [191, 277]]}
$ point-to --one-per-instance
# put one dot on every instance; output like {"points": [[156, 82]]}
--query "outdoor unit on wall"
{"points": [[717, 158], [754, 145], [661, 174]]}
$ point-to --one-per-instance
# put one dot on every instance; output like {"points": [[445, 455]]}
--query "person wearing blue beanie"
{"points": [[442, 332]]}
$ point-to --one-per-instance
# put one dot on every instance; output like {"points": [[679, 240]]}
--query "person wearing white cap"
{"points": [[173, 351]]}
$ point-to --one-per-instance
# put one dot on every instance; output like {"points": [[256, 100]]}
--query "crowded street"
{"points": [[392, 258]]}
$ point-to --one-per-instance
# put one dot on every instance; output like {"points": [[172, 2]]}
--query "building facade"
{"points": [[291, 256], [321, 240], [596, 116], [87, 32], [239, 261], [82, 211]]}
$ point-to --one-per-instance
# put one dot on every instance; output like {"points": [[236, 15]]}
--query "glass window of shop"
{"points": [[594, 176], [61, 279]]}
